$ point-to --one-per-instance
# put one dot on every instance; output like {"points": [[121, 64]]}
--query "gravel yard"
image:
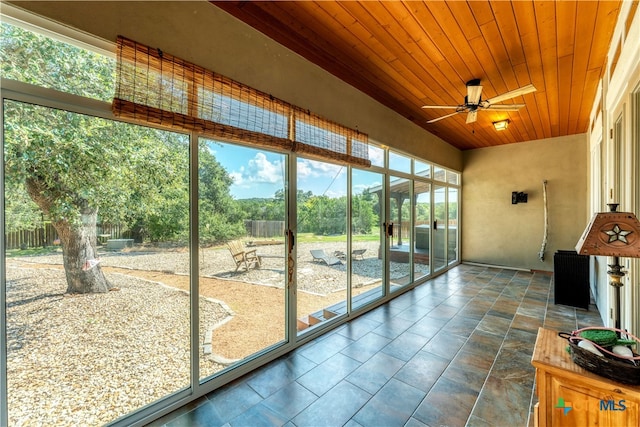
{"points": [[85, 360], [88, 359]]}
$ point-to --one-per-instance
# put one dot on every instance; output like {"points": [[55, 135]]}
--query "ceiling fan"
{"points": [[473, 102]]}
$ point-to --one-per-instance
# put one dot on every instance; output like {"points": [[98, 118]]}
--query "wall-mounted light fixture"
{"points": [[518, 197], [501, 125]]}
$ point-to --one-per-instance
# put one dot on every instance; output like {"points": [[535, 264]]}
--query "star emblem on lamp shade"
{"points": [[617, 234]]}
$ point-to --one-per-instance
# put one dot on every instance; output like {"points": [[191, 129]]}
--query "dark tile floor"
{"points": [[455, 351]]}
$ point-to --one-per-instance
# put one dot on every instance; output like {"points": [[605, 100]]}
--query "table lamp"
{"points": [[614, 234]]}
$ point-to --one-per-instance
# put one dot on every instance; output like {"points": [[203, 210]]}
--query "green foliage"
{"points": [[124, 171], [215, 228], [405, 213], [324, 215], [362, 215], [221, 217], [39, 60], [132, 175], [169, 221], [262, 209], [453, 210], [215, 183], [423, 212], [20, 211]]}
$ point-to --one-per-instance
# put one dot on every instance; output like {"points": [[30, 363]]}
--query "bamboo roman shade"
{"points": [[158, 88]]}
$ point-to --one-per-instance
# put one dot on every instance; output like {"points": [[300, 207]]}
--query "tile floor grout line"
{"points": [[454, 356], [452, 359], [475, 404], [467, 340]]}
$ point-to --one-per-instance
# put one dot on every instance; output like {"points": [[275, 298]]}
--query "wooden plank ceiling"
{"points": [[407, 54]]}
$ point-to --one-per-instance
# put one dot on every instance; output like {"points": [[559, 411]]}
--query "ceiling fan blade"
{"points": [[444, 107], [472, 116], [503, 107], [512, 94], [473, 94], [443, 117]]}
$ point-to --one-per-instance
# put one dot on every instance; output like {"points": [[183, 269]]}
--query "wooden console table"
{"points": [[569, 395]]}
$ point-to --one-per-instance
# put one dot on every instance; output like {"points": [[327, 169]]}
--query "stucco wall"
{"points": [[200, 32], [497, 232]]}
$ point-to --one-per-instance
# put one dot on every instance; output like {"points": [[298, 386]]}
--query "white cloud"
{"points": [[376, 157], [304, 170], [313, 169], [259, 170], [237, 177], [321, 178], [360, 188]]}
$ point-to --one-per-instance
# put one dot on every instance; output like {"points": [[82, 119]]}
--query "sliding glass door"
{"points": [[322, 251], [97, 266], [422, 230], [452, 225], [367, 237], [400, 194], [439, 258], [242, 214]]}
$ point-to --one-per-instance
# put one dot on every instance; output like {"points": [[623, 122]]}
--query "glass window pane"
{"points": [[321, 242], [376, 155], [422, 169], [452, 177], [422, 230], [399, 163], [452, 226], [366, 237], [97, 287], [400, 243], [320, 137], [439, 173], [439, 254], [39, 60], [242, 208], [229, 111]]}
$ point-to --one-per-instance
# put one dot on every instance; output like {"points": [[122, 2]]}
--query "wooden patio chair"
{"points": [[241, 256], [320, 255]]}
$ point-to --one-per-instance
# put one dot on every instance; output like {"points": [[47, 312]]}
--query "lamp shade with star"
{"points": [[614, 234], [611, 234]]}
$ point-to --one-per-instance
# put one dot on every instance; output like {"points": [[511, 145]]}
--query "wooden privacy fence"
{"points": [[47, 236], [264, 228], [36, 238]]}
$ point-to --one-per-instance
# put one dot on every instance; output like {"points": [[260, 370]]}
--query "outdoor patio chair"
{"points": [[358, 253], [241, 256], [320, 255]]}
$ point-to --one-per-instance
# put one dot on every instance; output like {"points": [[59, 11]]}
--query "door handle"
{"points": [[291, 240]]}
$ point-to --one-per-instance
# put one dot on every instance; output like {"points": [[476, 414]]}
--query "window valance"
{"points": [[158, 88]]}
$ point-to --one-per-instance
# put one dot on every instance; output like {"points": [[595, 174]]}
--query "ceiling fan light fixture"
{"points": [[501, 125], [473, 103]]}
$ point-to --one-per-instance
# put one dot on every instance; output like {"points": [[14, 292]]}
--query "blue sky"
{"points": [[260, 173]]}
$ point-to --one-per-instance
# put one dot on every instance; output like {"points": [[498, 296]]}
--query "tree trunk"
{"points": [[79, 254], [79, 242]]}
